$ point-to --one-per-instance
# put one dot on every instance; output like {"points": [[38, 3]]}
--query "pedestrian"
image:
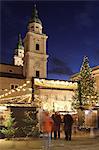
{"points": [[53, 125], [57, 123], [47, 125], [40, 119], [68, 122]]}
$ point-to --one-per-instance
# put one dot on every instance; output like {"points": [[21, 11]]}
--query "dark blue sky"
{"points": [[72, 27]]}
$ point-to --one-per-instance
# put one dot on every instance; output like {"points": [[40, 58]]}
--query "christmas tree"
{"points": [[31, 128], [10, 127], [85, 96]]}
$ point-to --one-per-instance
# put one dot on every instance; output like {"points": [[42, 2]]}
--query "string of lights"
{"points": [[18, 89], [40, 82]]}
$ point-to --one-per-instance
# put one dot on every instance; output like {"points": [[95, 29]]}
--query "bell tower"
{"points": [[35, 59], [19, 53]]}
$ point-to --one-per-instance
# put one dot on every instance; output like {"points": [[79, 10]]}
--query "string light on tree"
{"points": [[88, 95]]}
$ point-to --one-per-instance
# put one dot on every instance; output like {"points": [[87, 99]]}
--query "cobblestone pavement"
{"points": [[77, 143]]}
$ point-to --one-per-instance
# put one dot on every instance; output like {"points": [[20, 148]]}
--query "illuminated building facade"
{"points": [[26, 80]]}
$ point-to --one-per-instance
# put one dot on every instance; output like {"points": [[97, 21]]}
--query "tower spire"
{"points": [[19, 44], [34, 12], [34, 17], [19, 52]]}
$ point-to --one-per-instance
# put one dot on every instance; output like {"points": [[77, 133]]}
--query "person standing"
{"points": [[53, 125], [68, 122], [47, 126], [40, 118], [57, 122]]}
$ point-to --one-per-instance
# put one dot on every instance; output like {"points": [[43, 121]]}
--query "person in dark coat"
{"points": [[57, 122], [68, 122]]}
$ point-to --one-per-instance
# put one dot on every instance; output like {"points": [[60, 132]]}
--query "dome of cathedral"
{"points": [[34, 17]]}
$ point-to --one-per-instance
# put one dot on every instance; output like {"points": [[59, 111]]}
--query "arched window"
{"points": [[37, 46]]}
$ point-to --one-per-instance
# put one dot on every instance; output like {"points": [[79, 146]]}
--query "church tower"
{"points": [[35, 60], [19, 52]]}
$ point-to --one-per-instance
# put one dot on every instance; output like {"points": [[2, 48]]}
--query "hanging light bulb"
{"points": [[24, 89], [13, 90], [24, 84], [27, 82], [18, 89], [6, 94]]}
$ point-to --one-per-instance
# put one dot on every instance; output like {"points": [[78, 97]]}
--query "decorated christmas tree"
{"points": [[10, 127], [31, 128], [86, 95]]}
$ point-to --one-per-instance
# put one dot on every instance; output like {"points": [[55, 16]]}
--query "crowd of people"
{"points": [[51, 126]]}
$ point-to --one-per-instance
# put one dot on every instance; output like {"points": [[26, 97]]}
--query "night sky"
{"points": [[72, 27]]}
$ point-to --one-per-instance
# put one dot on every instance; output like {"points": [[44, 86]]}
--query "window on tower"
{"points": [[12, 86], [37, 46], [16, 86], [37, 74], [32, 28]]}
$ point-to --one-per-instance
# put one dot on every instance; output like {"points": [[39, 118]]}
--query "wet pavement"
{"points": [[77, 143]]}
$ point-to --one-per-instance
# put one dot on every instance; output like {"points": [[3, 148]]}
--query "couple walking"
{"points": [[67, 121]]}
